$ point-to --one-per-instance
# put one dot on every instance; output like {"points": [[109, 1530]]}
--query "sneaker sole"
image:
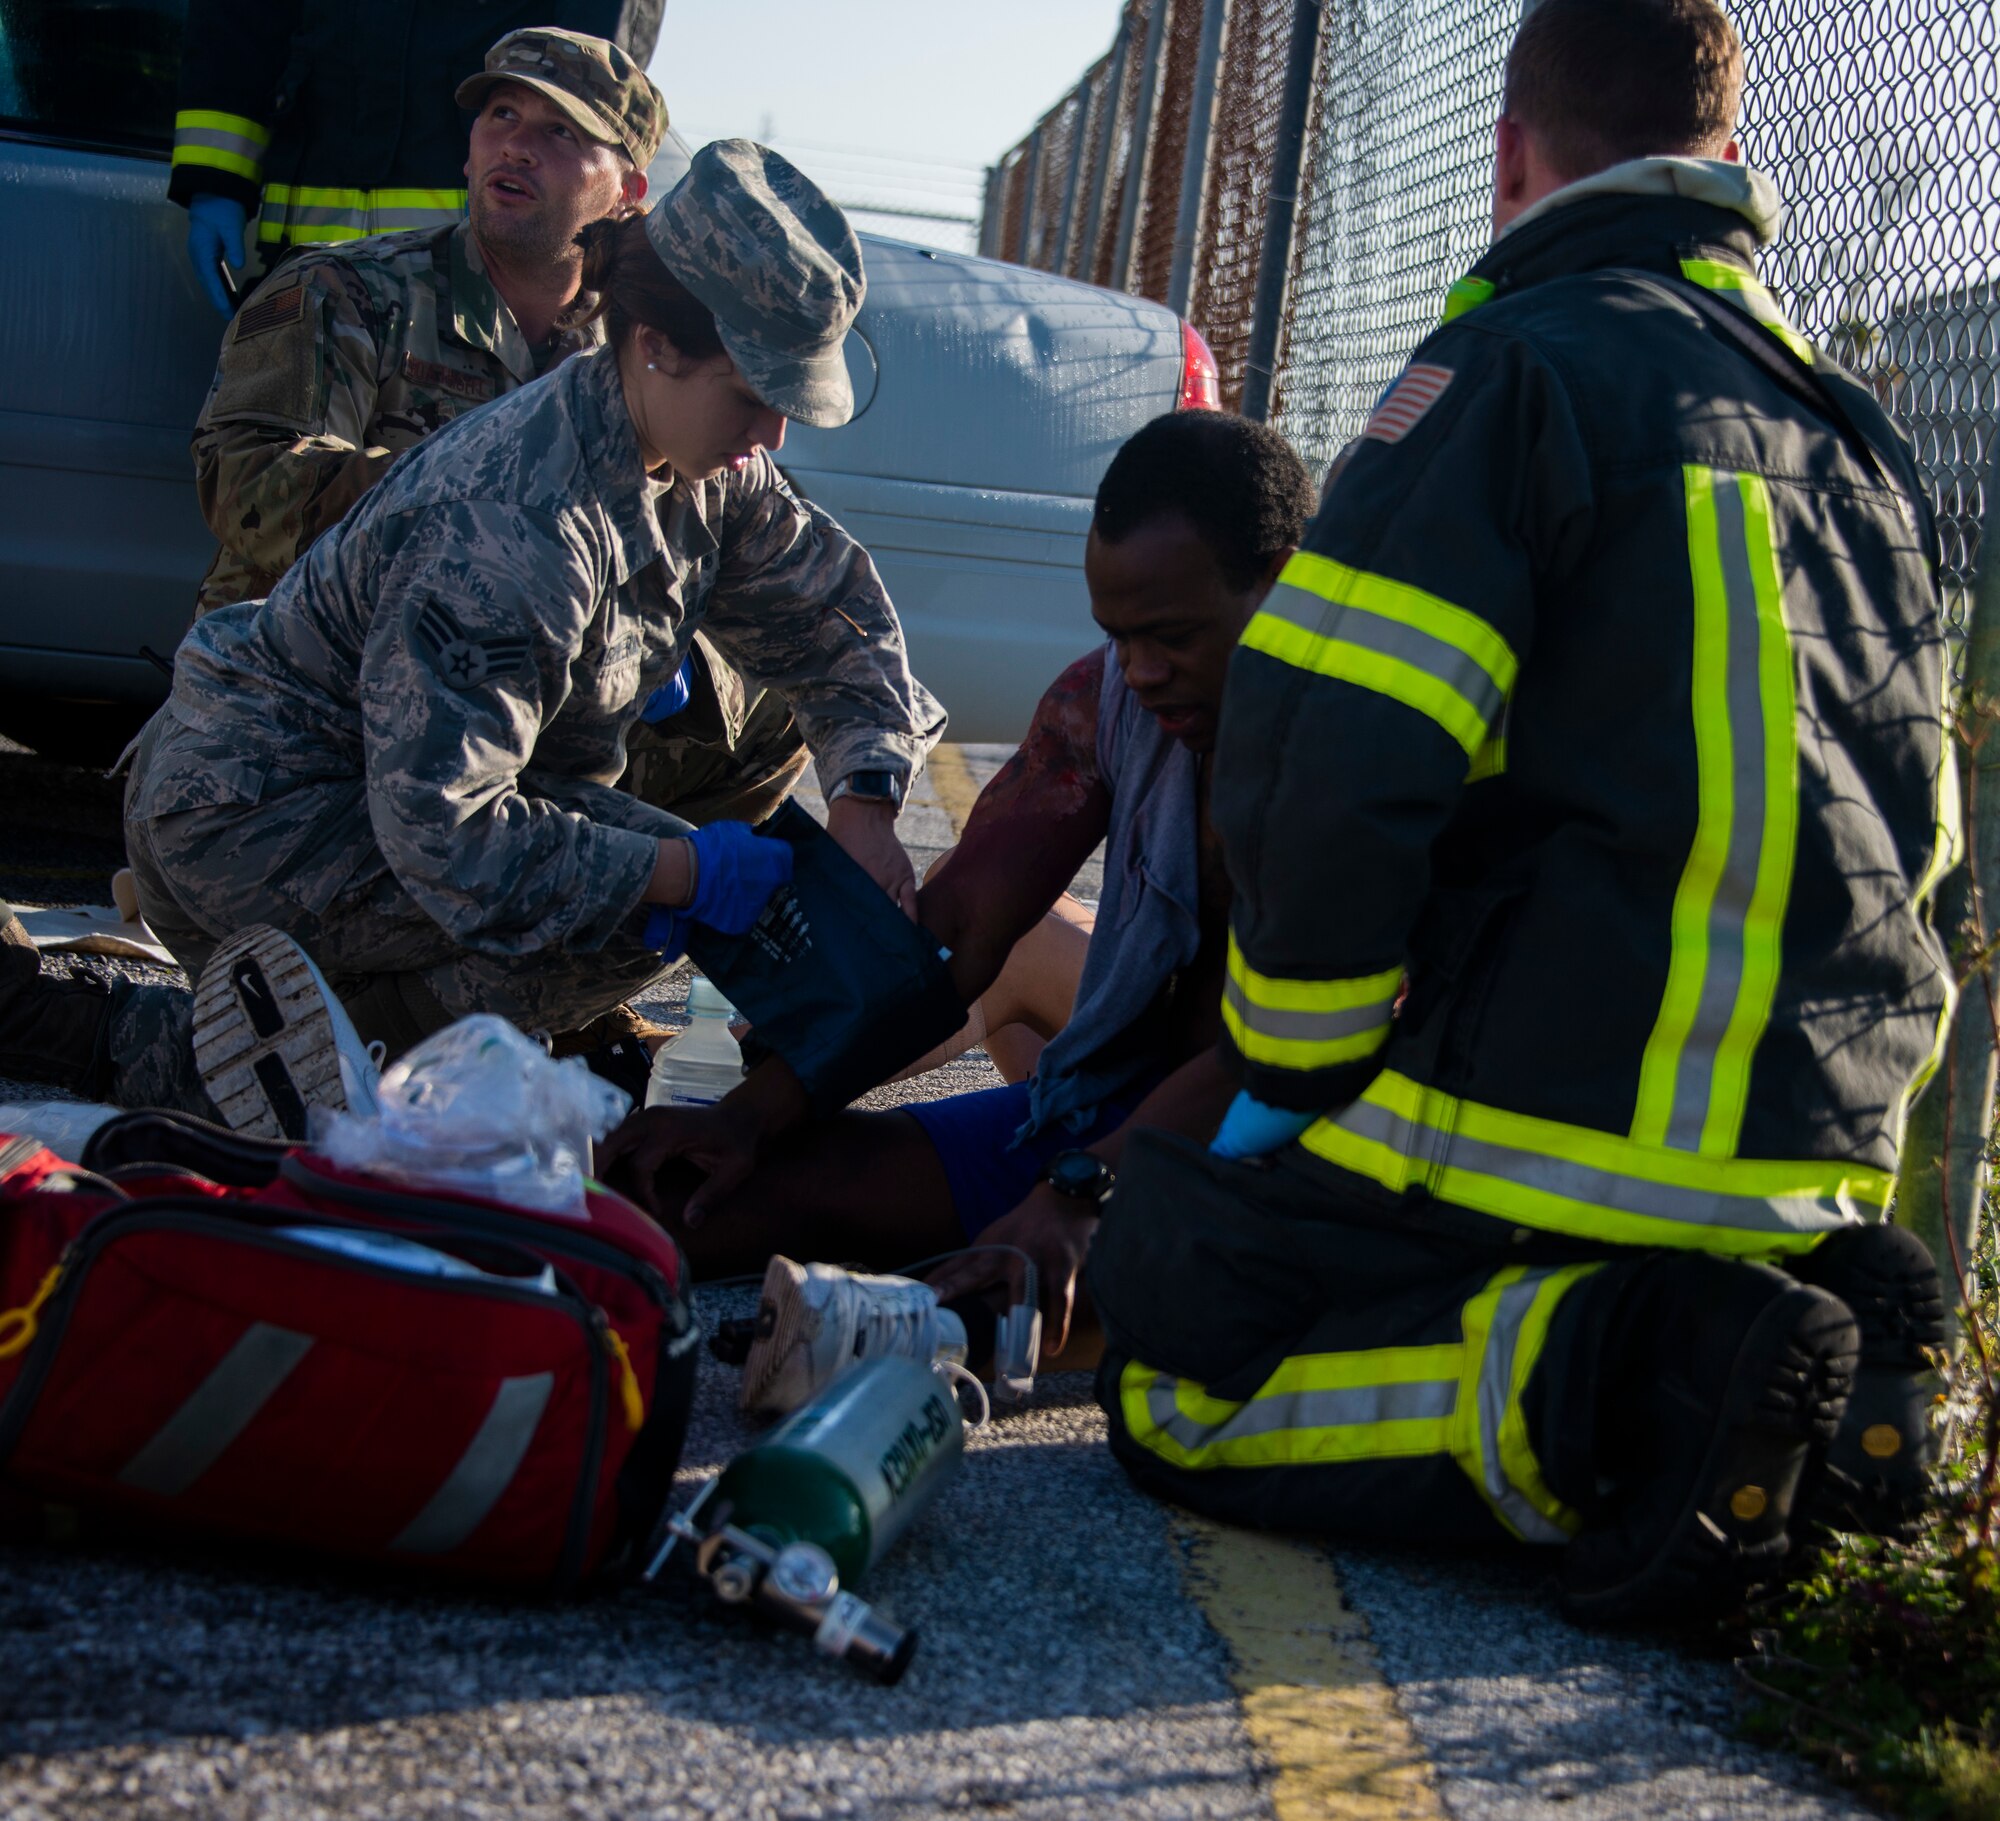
{"points": [[1788, 1387], [763, 1367], [264, 1038]]}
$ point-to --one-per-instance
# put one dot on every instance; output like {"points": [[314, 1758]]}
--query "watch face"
{"points": [[1079, 1173]]}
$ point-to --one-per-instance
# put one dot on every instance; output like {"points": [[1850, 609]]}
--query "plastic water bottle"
{"points": [[704, 1062]]}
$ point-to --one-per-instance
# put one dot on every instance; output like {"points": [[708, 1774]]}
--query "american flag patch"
{"points": [[1406, 401], [271, 312]]}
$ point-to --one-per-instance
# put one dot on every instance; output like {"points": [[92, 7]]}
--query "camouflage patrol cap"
{"points": [[772, 256], [601, 89]]}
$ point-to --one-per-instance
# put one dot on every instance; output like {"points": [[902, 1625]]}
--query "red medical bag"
{"points": [[223, 1336]]}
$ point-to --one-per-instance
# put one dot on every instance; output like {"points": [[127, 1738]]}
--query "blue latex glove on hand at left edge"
{"points": [[736, 872], [1252, 1129], [215, 232]]}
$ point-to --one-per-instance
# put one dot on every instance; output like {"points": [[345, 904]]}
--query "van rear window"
{"points": [[97, 72]]}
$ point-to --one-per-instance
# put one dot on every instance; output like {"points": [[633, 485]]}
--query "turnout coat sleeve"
{"points": [[1370, 688], [233, 56]]}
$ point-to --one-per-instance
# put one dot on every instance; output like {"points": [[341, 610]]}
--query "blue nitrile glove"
{"points": [[671, 696], [215, 231], [666, 930], [735, 874], [1251, 1129]]}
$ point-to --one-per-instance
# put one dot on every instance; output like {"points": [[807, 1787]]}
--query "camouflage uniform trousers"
{"points": [[205, 873], [703, 781]]}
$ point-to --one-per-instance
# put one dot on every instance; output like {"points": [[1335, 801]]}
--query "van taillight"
{"points": [[1201, 384]]}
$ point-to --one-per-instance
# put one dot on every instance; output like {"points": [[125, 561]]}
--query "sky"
{"points": [[887, 100]]}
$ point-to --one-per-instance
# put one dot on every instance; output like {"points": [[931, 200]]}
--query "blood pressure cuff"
{"points": [[832, 977]]}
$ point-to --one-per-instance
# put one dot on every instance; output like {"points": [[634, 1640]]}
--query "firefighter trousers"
{"points": [[1279, 1357]]}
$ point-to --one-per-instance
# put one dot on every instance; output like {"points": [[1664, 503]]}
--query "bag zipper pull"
{"points": [[17, 1326], [628, 1380]]}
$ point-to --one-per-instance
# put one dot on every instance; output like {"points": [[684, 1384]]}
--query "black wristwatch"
{"points": [[869, 787], [1080, 1176]]}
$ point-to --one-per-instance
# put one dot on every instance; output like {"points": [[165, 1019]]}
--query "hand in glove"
{"points": [[735, 874], [215, 233], [1252, 1129], [671, 696]]}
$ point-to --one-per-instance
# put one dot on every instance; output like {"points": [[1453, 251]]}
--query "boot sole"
{"points": [[784, 1295], [263, 1037], [1788, 1387], [1875, 1476]]}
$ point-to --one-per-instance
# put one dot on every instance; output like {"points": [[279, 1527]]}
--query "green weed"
{"points": [[1881, 1660]]}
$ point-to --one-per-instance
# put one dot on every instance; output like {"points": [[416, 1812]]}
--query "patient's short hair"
{"points": [[1601, 81], [1240, 485]]}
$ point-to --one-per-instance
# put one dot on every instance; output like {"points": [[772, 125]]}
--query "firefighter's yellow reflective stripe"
{"points": [[310, 196], [1505, 1328], [1490, 761], [1385, 1404], [1388, 637], [1729, 909], [238, 126], [1466, 294], [1758, 303], [1595, 1185], [1907, 1100], [302, 213], [1946, 843], [220, 142], [1306, 1024]]}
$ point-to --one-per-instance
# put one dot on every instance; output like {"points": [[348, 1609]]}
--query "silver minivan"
{"points": [[991, 398]]}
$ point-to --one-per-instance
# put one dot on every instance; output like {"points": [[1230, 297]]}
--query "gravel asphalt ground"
{"points": [[1084, 1651]]}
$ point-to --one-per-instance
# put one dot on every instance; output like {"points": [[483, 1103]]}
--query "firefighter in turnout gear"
{"points": [[1582, 783], [333, 121]]}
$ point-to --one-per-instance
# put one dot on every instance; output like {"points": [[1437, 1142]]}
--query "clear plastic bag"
{"points": [[480, 1108]]}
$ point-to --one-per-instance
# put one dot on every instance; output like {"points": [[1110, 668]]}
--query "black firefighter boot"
{"points": [[1876, 1473], [53, 1031], [1715, 1384]]}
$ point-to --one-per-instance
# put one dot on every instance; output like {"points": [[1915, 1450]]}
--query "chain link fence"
{"points": [[1877, 118]]}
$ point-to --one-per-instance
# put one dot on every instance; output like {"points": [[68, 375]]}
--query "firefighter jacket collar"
{"points": [[1651, 229], [1735, 187]]}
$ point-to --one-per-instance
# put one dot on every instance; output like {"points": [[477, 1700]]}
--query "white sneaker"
{"points": [[271, 1039], [814, 1321]]}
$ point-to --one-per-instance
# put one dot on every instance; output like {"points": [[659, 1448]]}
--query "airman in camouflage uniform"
{"points": [[351, 354], [404, 757]]}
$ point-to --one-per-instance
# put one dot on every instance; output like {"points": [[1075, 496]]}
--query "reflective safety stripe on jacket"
{"points": [[1462, 1399], [205, 139], [1306, 1023], [1426, 653], [303, 214], [1570, 1179], [1730, 908]]}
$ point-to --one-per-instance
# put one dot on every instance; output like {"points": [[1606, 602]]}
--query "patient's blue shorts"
{"points": [[971, 1134]]}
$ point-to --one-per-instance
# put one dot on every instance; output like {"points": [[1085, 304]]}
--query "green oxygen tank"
{"points": [[822, 1498]]}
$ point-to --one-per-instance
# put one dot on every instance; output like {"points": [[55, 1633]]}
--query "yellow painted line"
{"points": [[952, 781], [1318, 1712]]}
